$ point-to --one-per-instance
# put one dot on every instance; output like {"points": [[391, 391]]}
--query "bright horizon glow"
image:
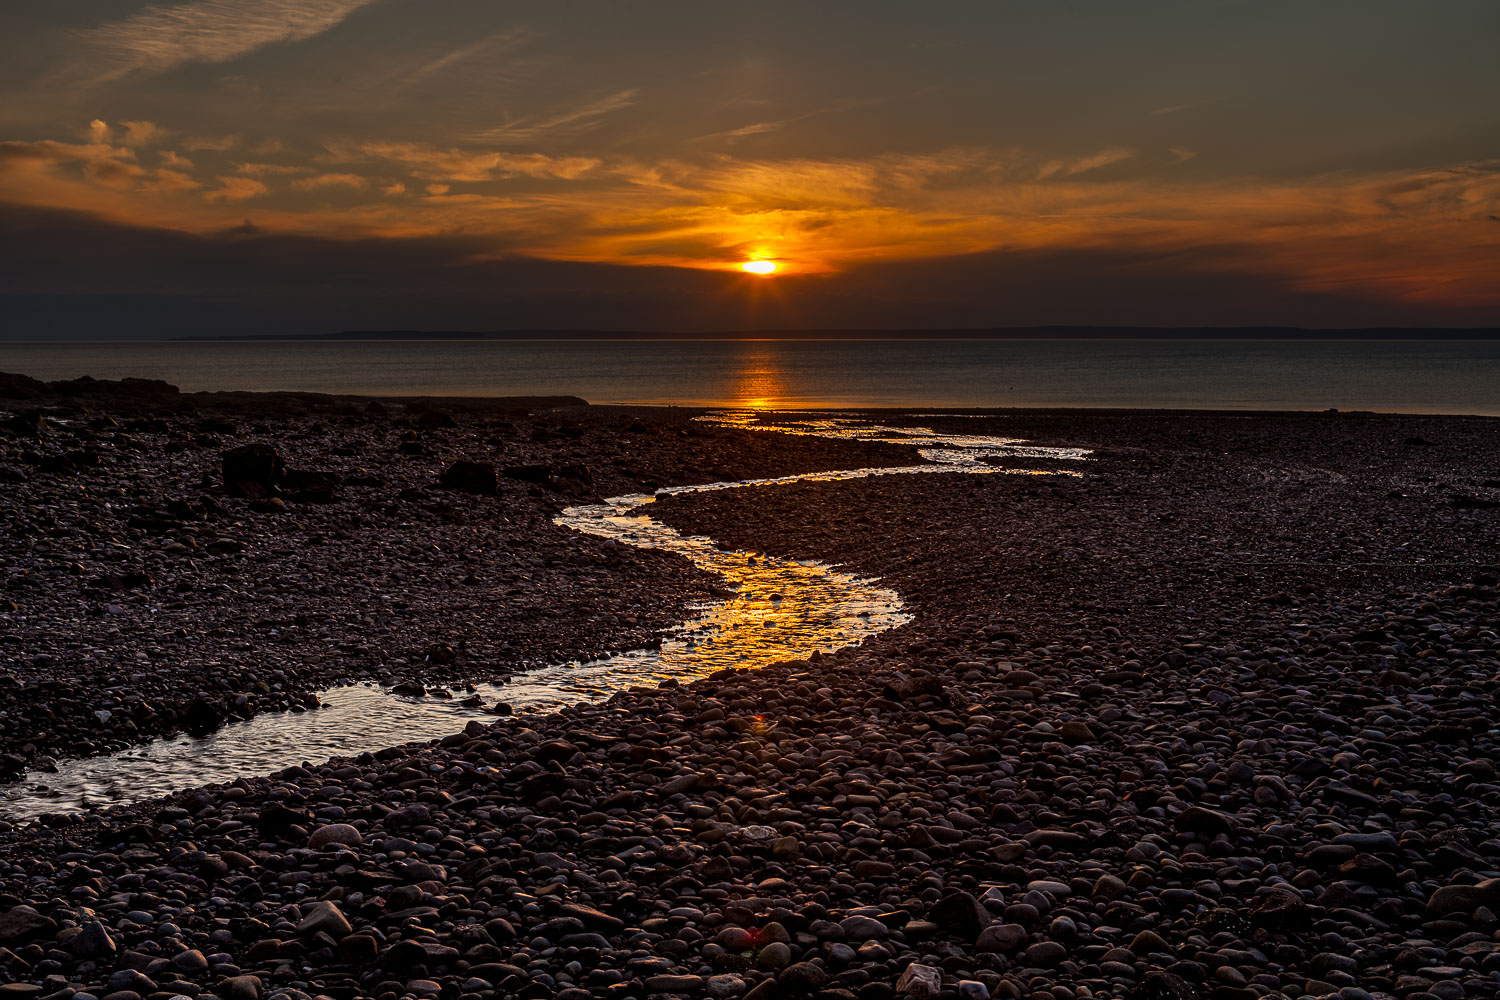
{"points": [[319, 165]]}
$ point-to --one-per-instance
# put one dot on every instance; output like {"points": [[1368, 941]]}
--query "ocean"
{"points": [[1408, 376]]}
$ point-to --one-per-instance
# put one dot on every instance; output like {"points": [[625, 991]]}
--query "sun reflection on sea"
{"points": [[760, 384]]}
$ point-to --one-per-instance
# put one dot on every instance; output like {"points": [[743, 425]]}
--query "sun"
{"points": [[759, 266]]}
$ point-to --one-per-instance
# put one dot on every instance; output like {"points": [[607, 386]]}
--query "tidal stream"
{"points": [[781, 609]]}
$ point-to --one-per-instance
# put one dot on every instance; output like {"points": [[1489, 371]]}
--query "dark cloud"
{"points": [[67, 275]]}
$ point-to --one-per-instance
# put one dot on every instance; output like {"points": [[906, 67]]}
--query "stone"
{"points": [[240, 988], [1046, 953], [775, 955], [335, 833], [592, 917], [1148, 942], [359, 949], [133, 980], [1001, 938], [309, 485], [864, 929], [960, 914], [252, 470], [673, 984], [539, 474], [802, 977], [725, 986], [1076, 732], [1201, 819], [470, 477], [1463, 898], [21, 923], [324, 916], [920, 981], [93, 941], [1158, 985], [1281, 908]]}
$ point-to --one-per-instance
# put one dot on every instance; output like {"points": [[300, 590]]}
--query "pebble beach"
{"points": [[1208, 715]]}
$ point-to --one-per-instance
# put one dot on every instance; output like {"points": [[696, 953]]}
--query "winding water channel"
{"points": [[781, 609]]}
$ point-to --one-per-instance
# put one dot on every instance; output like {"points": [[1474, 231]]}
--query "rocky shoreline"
{"points": [[145, 594], [1216, 721]]}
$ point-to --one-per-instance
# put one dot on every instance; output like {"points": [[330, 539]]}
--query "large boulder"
{"points": [[27, 424], [326, 917], [309, 485], [959, 914], [21, 923], [335, 833], [251, 470], [202, 717], [1464, 899], [539, 474], [920, 981], [470, 477]]}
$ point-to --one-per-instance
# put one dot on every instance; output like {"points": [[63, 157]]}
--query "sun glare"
{"points": [[759, 266]]}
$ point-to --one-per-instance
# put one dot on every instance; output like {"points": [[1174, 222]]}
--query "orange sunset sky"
{"points": [[305, 165]]}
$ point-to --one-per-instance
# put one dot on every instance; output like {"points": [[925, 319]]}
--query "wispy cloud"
{"points": [[571, 122], [1175, 108], [141, 133], [734, 135], [1071, 168], [434, 163], [322, 181], [160, 38], [490, 47], [270, 169], [210, 143], [744, 132], [236, 189], [1183, 154]]}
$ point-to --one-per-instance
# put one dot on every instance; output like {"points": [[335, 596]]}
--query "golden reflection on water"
{"points": [[759, 384]]}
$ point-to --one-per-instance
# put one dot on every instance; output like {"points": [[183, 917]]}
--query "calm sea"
{"points": [[1402, 376]]}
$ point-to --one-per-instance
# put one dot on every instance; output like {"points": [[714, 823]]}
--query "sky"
{"points": [[304, 166]]}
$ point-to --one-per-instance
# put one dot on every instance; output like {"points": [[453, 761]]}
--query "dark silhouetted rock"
{"points": [[21, 923], [252, 470], [540, 474], [202, 716], [470, 477], [309, 485], [1163, 986], [959, 914]]}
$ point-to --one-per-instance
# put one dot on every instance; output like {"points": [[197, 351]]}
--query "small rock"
{"points": [[240, 988], [919, 981], [335, 833], [725, 986], [1001, 938], [93, 941], [1046, 953], [1463, 898], [802, 977], [21, 923], [326, 917]]}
